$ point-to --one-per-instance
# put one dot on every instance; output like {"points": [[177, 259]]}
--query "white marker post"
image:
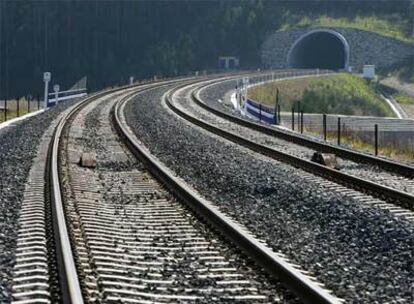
{"points": [[131, 80], [245, 82], [47, 76], [56, 88]]}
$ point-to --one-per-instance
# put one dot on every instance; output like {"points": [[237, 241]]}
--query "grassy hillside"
{"points": [[336, 94], [391, 26], [403, 99]]}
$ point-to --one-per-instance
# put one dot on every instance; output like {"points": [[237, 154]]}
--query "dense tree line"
{"points": [[108, 41]]}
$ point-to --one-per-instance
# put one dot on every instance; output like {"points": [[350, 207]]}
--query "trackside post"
{"points": [[376, 139], [47, 76], [339, 131]]}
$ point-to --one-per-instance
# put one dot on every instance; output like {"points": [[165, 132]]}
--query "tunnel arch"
{"points": [[320, 48]]}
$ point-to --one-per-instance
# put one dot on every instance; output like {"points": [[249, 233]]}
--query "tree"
{"points": [[411, 16], [108, 41]]}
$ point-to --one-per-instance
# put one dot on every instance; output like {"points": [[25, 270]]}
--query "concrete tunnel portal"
{"points": [[323, 49]]}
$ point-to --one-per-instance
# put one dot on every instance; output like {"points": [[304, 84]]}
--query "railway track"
{"points": [[380, 162], [389, 190], [125, 229], [384, 164], [346, 234], [39, 274], [40, 270]]}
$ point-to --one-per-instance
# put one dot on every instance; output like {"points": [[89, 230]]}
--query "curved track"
{"points": [[126, 229], [179, 101], [44, 271], [380, 162], [395, 188], [276, 264], [264, 194], [123, 230]]}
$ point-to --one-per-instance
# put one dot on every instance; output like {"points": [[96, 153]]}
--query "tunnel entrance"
{"points": [[323, 49]]}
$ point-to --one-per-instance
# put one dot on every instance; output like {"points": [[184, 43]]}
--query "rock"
{"points": [[88, 160], [326, 159]]}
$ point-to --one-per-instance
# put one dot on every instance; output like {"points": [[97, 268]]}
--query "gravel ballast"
{"points": [[119, 175], [18, 147], [363, 253]]}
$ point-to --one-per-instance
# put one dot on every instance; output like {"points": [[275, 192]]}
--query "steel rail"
{"points": [[382, 163], [68, 277], [67, 273], [306, 289], [394, 196]]}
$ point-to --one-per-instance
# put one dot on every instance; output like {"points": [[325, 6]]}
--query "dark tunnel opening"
{"points": [[322, 50]]}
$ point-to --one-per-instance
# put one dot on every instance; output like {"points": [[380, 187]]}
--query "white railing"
{"points": [[62, 95]]}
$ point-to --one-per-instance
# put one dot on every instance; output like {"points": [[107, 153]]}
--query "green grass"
{"points": [[350, 140], [335, 94], [391, 26], [404, 99], [359, 145]]}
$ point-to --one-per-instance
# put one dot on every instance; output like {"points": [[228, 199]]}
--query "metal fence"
{"points": [[390, 137], [378, 135]]}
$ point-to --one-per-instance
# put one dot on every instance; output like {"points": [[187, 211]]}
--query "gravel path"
{"points": [[363, 253], [18, 147]]}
